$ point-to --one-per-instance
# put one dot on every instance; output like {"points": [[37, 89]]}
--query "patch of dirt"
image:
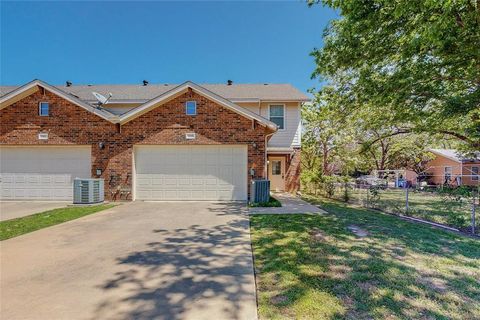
{"points": [[339, 271], [446, 249], [435, 284], [367, 286], [278, 299], [359, 232], [318, 235]]}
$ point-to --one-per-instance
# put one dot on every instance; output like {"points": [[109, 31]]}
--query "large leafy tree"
{"points": [[328, 138], [411, 65]]}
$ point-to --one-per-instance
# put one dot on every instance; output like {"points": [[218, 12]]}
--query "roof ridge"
{"points": [[159, 84]]}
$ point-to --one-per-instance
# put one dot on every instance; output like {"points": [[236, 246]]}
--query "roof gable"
{"points": [[35, 85], [180, 89]]}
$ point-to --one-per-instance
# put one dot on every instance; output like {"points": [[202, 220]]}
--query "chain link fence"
{"points": [[453, 207]]}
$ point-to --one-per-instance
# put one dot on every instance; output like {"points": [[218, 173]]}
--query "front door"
{"points": [[276, 173]]}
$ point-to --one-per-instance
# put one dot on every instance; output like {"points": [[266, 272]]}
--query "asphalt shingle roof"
{"points": [[455, 155], [266, 92]]}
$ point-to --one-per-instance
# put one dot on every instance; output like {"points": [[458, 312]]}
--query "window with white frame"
{"points": [[43, 109], [475, 173], [277, 115], [191, 108]]}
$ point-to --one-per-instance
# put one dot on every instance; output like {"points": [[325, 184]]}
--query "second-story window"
{"points": [[43, 109], [191, 108], [277, 115]]}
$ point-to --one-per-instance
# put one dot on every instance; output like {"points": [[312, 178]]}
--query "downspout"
{"points": [[265, 173]]}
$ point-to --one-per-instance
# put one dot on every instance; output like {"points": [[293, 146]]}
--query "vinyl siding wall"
{"points": [[118, 108], [291, 135]]}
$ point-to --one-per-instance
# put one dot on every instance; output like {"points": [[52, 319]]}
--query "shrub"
{"points": [[272, 202]]}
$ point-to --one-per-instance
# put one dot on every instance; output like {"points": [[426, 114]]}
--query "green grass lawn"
{"points": [[424, 205], [15, 227], [314, 267]]}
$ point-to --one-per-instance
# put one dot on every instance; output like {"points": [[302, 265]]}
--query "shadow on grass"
{"points": [[187, 270], [400, 269]]}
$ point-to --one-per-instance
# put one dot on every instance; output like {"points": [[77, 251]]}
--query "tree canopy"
{"points": [[409, 66]]}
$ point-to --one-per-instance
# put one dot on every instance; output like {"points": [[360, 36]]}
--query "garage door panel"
{"points": [[42, 172], [191, 172]]}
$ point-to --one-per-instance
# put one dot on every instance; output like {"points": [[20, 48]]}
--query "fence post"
{"points": [[367, 195], [473, 214], [406, 200]]}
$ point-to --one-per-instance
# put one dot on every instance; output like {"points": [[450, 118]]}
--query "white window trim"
{"points": [[284, 114], [40, 109], [186, 108]]}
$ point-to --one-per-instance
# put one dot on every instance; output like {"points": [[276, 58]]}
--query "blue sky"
{"points": [[163, 42]]}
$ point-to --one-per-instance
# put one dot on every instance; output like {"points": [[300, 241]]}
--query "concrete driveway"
{"points": [[164, 260], [16, 209]]}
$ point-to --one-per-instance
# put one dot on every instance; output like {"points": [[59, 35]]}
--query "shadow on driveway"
{"points": [[141, 260], [196, 272]]}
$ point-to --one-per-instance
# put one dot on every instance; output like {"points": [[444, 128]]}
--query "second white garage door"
{"points": [[201, 172]]}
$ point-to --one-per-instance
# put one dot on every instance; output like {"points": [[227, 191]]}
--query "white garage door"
{"points": [[42, 172], [191, 172]]}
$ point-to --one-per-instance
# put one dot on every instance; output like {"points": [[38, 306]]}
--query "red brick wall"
{"points": [[69, 124], [292, 176]]}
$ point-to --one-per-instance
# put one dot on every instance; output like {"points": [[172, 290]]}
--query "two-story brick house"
{"points": [[149, 142]]}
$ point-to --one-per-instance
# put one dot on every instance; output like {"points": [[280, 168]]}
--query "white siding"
{"points": [[117, 108], [292, 134]]}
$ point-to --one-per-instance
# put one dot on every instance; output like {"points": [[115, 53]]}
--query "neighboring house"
{"points": [[149, 142], [449, 167]]}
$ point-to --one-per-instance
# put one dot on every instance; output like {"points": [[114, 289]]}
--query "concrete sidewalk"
{"points": [[17, 209], [290, 204]]}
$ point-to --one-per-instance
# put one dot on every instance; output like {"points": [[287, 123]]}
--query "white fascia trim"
{"points": [[245, 100], [284, 100], [201, 90], [101, 113], [279, 150]]}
